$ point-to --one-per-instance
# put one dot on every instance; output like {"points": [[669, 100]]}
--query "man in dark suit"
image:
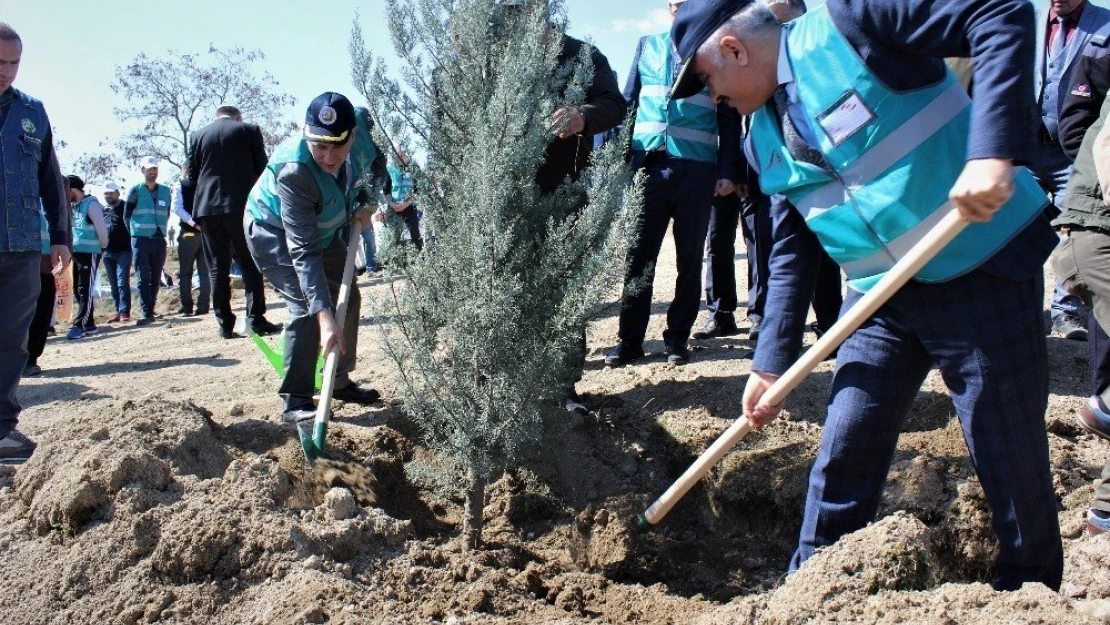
{"points": [[226, 158], [1064, 28], [902, 135]]}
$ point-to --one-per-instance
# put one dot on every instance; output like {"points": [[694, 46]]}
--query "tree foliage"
{"points": [[168, 97], [489, 320]]}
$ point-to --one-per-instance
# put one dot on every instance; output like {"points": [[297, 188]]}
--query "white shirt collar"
{"points": [[785, 74]]}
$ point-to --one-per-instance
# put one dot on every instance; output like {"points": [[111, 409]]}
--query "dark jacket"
{"points": [[904, 42], [604, 110], [1090, 82], [188, 198], [1085, 207], [119, 238], [226, 158]]}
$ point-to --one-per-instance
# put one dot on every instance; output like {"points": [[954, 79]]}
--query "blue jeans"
{"points": [[150, 257], [20, 283], [370, 248], [118, 267]]}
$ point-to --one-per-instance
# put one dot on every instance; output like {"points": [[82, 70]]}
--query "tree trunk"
{"points": [[475, 519]]}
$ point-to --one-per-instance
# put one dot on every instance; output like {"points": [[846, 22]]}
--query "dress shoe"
{"points": [[185, 312], [202, 311], [1091, 419], [1098, 522], [623, 354], [1069, 327], [32, 370], [573, 403], [717, 326], [229, 334], [355, 394], [677, 354], [145, 320], [263, 327], [297, 416]]}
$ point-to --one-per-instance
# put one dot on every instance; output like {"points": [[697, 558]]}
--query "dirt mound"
{"points": [[884, 574]]}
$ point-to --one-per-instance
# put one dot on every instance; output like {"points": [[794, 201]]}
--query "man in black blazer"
{"points": [[226, 157]]}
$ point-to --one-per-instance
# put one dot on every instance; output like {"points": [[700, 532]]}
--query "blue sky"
{"points": [[71, 47]]}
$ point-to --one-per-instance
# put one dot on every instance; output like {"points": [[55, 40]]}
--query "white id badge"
{"points": [[845, 118]]}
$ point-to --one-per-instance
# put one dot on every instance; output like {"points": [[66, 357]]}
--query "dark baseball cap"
{"points": [[330, 119], [694, 24]]}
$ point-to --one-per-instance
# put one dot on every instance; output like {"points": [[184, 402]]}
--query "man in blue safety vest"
{"points": [[858, 122], [297, 214], [147, 213], [689, 147]]}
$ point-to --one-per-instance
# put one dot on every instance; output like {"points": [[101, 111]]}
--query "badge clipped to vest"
{"points": [[845, 118], [161, 202]]}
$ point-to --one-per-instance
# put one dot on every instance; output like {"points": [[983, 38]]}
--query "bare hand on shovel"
{"points": [[982, 188]]}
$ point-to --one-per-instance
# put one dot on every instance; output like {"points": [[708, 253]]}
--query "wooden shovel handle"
{"points": [[905, 269]]}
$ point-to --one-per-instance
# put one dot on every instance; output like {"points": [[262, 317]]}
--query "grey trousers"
{"points": [[302, 331], [19, 282]]}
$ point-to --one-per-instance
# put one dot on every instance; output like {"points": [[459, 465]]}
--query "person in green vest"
{"points": [[858, 122], [297, 218], [90, 237], [147, 212], [690, 150]]}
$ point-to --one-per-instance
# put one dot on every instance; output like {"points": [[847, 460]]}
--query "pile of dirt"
{"points": [[885, 573]]}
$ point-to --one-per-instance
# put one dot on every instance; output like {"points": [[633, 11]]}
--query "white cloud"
{"points": [[656, 21]]}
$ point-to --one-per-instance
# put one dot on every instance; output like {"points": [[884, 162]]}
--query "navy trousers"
{"points": [[828, 293], [680, 190], [19, 282], [720, 258], [302, 332], [986, 335]]}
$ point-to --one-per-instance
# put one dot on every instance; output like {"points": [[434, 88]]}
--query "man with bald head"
{"points": [[859, 123]]}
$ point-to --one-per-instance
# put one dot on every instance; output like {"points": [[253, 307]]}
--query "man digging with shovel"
{"points": [[858, 122], [297, 214]]}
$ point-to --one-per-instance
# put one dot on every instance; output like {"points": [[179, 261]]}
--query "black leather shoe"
{"points": [[357, 395], [265, 328], [229, 334], [185, 312], [725, 326], [677, 354], [623, 354]]}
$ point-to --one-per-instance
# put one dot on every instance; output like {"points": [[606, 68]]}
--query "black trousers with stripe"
{"points": [[85, 266]]}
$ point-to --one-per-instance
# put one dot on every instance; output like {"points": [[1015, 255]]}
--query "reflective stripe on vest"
{"points": [[152, 211], [686, 128], [894, 158], [84, 234]]}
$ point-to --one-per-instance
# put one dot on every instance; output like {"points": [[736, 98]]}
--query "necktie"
{"points": [[798, 147], [1061, 38]]}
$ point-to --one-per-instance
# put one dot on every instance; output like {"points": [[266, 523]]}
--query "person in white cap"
{"points": [[117, 255], [147, 212]]}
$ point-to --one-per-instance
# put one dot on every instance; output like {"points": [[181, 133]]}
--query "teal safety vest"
{"points": [[686, 128], [402, 183], [894, 155], [152, 212], [336, 204], [85, 240], [44, 232]]}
